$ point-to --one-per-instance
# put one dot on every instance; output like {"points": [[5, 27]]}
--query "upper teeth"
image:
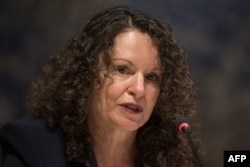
{"points": [[131, 107]]}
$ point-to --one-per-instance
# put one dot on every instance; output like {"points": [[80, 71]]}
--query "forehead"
{"points": [[137, 47], [133, 37]]}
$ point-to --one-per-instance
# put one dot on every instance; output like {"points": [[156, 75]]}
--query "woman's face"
{"points": [[126, 97]]}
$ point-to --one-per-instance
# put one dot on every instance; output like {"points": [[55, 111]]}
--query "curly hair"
{"points": [[61, 93]]}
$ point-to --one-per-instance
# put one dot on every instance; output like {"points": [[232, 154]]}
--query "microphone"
{"points": [[183, 125]]}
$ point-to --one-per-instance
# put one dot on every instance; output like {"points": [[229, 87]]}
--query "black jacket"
{"points": [[28, 143]]}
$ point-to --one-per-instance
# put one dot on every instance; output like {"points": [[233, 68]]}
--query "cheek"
{"points": [[112, 94], [153, 96], [109, 90]]}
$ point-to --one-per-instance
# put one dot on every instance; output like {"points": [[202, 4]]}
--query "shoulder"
{"points": [[30, 131], [24, 125], [25, 128], [33, 142]]}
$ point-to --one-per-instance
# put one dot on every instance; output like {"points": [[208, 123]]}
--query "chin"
{"points": [[131, 126]]}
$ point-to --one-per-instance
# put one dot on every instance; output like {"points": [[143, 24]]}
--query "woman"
{"points": [[110, 98]]}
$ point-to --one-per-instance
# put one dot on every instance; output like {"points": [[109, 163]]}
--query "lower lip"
{"points": [[130, 111]]}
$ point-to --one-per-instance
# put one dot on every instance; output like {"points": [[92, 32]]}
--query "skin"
{"points": [[126, 98]]}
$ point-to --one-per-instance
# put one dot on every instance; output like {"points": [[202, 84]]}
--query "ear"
{"points": [[97, 83]]}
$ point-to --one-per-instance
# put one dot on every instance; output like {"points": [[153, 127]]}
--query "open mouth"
{"points": [[132, 108]]}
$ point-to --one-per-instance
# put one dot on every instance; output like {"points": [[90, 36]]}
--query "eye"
{"points": [[153, 77], [122, 69], [121, 72]]}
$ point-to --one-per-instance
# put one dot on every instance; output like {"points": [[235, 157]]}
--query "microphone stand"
{"points": [[198, 161]]}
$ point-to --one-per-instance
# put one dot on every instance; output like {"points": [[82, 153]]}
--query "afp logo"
{"points": [[236, 158]]}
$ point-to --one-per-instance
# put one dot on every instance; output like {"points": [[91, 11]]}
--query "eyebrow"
{"points": [[130, 63]]}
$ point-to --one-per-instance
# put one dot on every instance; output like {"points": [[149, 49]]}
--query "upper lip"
{"points": [[136, 106]]}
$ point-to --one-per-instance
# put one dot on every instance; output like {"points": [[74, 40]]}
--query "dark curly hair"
{"points": [[61, 94]]}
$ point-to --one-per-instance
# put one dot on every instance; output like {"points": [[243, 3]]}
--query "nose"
{"points": [[137, 86]]}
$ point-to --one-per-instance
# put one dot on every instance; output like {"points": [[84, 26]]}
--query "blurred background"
{"points": [[215, 34]]}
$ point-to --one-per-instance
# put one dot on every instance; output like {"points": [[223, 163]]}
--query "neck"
{"points": [[113, 147]]}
